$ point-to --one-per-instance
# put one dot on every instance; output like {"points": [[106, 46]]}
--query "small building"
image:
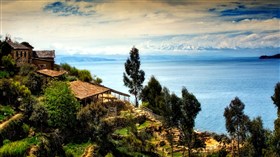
{"points": [[87, 92]]}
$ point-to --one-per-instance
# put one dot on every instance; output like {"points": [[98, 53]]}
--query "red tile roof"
{"points": [[83, 90]]}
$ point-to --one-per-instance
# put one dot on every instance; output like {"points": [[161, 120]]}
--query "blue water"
{"points": [[215, 81]]}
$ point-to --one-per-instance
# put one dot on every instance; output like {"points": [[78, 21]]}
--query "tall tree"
{"points": [[236, 121], [276, 101], [151, 94], [133, 77], [168, 116], [190, 107]]}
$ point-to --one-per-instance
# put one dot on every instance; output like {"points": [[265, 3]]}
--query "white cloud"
{"points": [[152, 25]]}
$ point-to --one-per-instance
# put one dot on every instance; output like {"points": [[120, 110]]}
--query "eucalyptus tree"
{"points": [[134, 77], [236, 121]]}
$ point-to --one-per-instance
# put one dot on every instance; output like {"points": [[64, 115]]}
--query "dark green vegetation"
{"points": [[41, 117], [133, 77], [249, 138], [83, 75]]}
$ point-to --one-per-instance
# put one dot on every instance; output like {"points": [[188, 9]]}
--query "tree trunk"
{"points": [[189, 150], [238, 151], [136, 101]]}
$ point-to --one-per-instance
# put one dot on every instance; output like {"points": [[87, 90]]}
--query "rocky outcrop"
{"points": [[277, 56]]}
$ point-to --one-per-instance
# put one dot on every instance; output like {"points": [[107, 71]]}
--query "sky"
{"points": [[152, 26]]}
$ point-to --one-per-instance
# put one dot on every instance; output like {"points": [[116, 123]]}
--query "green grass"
{"points": [[75, 150], [6, 111], [177, 154], [122, 132], [17, 148], [146, 124]]}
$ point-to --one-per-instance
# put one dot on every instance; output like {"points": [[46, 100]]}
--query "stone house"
{"points": [[23, 53]]}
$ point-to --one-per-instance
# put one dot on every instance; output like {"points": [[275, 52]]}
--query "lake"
{"points": [[214, 79]]}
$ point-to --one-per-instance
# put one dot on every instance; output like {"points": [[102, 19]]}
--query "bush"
{"points": [[4, 74], [84, 75], [27, 69], [5, 112]]}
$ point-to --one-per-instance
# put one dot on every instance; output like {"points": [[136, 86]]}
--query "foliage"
{"points": [[6, 111], [35, 83], [236, 121], [75, 150], [4, 74], [9, 63], [39, 116], [12, 92], [17, 148], [89, 118], [61, 105], [51, 144], [26, 69], [276, 96], [84, 75], [257, 138], [14, 129], [133, 77], [189, 108], [276, 101], [151, 94]]}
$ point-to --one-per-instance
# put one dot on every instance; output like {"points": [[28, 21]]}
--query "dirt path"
{"points": [[89, 151], [15, 117]]}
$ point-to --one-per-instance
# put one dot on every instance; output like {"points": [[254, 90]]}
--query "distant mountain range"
{"points": [[65, 59]]}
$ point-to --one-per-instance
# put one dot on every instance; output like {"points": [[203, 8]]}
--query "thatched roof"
{"points": [[84, 90], [51, 73]]}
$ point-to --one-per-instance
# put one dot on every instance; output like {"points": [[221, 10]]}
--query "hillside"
{"points": [[43, 115]]}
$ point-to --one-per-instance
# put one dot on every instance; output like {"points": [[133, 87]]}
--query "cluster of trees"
{"points": [[248, 136], [177, 112]]}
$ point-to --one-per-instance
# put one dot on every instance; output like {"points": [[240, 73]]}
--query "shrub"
{"points": [[84, 75], [27, 69], [6, 111], [4, 74]]}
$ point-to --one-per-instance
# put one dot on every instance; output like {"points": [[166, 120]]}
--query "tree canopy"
{"points": [[61, 104], [151, 94]]}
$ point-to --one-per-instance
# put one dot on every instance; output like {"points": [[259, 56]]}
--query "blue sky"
{"points": [[153, 26]]}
